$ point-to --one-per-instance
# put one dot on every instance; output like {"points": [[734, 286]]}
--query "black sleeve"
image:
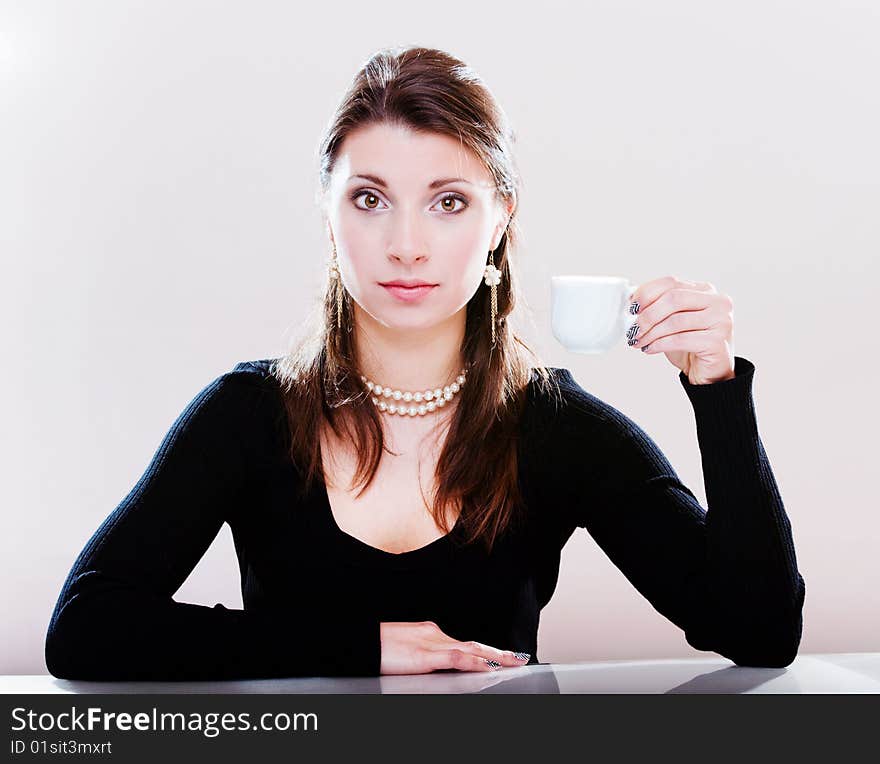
{"points": [[728, 576], [116, 618]]}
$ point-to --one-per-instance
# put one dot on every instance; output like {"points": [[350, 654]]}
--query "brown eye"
{"points": [[357, 195], [447, 203]]}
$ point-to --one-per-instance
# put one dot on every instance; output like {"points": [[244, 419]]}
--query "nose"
{"points": [[407, 244]]}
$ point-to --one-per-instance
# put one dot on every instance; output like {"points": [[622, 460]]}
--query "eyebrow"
{"points": [[433, 184]]}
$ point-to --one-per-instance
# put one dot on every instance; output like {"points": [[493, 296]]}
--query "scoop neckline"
{"points": [[425, 553]]}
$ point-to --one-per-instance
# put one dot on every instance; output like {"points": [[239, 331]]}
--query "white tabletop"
{"points": [[810, 673]]}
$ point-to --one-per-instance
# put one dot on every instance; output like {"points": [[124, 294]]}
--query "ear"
{"points": [[506, 214], [329, 230]]}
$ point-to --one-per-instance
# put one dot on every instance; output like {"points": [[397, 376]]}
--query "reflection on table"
{"points": [[817, 673]]}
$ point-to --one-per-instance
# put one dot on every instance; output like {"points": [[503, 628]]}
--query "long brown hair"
{"points": [[426, 90]]}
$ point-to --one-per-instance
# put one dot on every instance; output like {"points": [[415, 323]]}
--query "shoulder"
{"points": [[257, 372], [249, 379], [562, 396], [244, 389], [562, 413], [250, 396]]}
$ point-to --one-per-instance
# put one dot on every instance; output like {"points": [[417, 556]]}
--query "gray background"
{"points": [[157, 225]]}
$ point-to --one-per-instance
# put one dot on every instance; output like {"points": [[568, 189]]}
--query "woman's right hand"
{"points": [[421, 647]]}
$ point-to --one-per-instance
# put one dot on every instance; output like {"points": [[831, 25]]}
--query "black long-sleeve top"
{"points": [[314, 595]]}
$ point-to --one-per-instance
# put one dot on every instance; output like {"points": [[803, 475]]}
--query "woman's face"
{"points": [[409, 221]]}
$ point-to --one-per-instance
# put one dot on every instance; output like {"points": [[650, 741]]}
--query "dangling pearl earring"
{"points": [[492, 277]]}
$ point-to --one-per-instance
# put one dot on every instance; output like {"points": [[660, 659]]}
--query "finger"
{"points": [[462, 660], [676, 300], [442, 639], [504, 657], [650, 291], [679, 321], [690, 342]]}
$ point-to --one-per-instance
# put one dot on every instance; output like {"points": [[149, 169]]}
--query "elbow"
{"points": [[756, 653], [776, 648], [69, 656], [70, 645], [81, 641], [766, 635], [781, 640], [765, 656], [749, 641], [58, 655]]}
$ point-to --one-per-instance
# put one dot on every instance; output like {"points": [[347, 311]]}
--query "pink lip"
{"points": [[409, 294]]}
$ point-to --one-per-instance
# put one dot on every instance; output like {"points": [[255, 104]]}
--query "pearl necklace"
{"points": [[413, 403]]}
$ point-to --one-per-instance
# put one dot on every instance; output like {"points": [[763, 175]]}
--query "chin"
{"points": [[406, 318], [414, 322]]}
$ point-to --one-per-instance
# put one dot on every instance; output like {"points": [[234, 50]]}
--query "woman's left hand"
{"points": [[688, 321]]}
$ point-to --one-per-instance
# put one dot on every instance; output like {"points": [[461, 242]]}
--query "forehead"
{"points": [[406, 158]]}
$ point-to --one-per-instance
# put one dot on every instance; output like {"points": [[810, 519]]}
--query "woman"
{"points": [[400, 486]]}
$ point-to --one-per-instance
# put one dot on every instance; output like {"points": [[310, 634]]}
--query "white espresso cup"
{"points": [[590, 314]]}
